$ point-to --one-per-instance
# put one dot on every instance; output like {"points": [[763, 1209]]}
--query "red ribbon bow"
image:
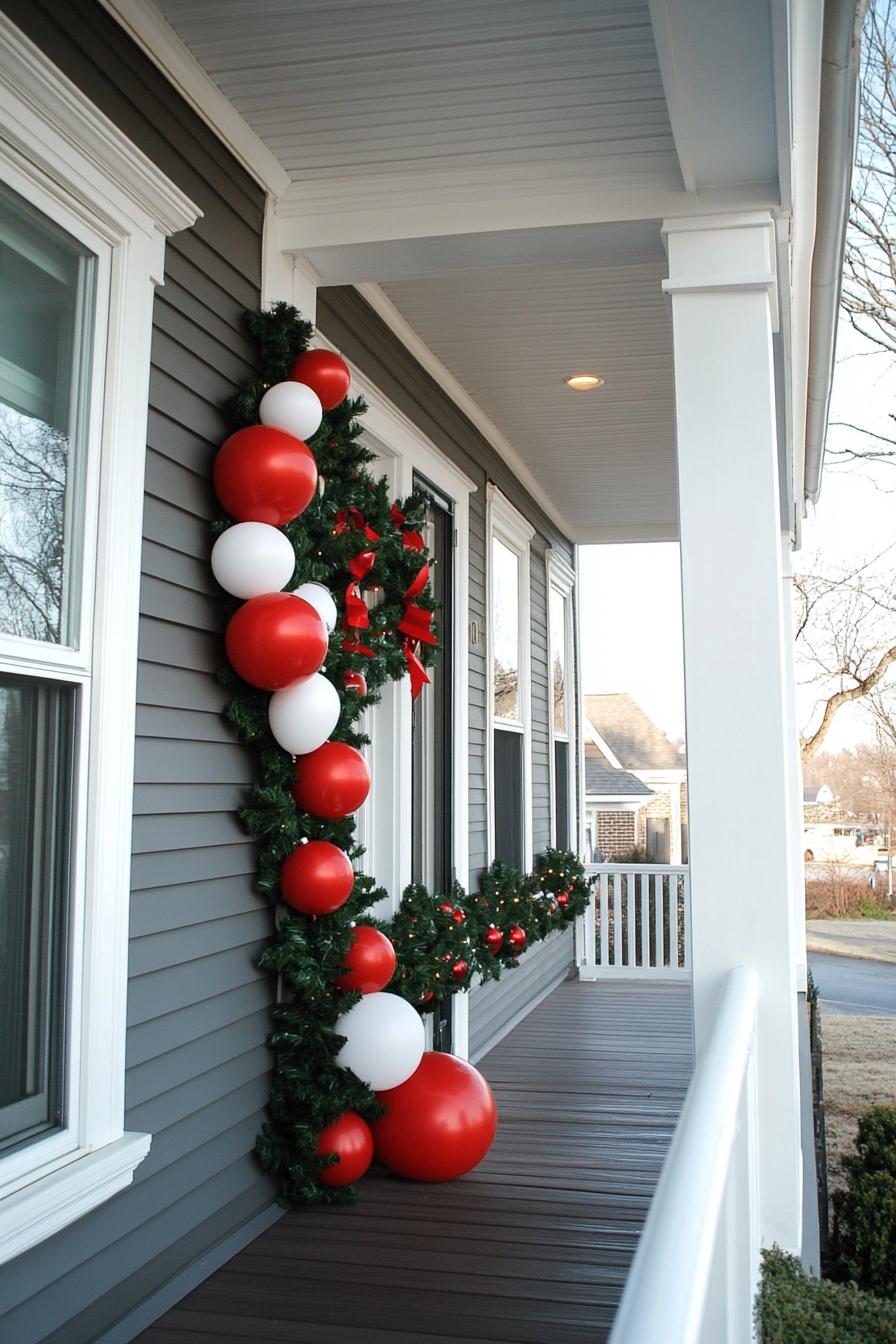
{"points": [[416, 670], [353, 517], [355, 608], [413, 541]]}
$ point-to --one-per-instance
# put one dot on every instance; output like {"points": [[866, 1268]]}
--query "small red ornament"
{"points": [[562, 900], [356, 681], [459, 969], [332, 781], [493, 940], [369, 961], [445, 908], [264, 475], [274, 639], [439, 1124], [552, 907], [517, 938], [458, 915], [349, 1137], [427, 997], [316, 878], [325, 373]]}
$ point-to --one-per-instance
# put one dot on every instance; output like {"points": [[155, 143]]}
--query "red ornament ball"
{"points": [[459, 969], [264, 475], [445, 908], [316, 878], [356, 681], [439, 1124], [562, 900], [427, 997], [325, 373], [517, 938], [458, 915], [332, 781], [349, 1137], [369, 961], [493, 940], [274, 639]]}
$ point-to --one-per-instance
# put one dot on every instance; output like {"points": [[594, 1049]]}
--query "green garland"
{"points": [[441, 943]]}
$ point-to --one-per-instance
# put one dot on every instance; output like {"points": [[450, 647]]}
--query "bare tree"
{"points": [[33, 467]]}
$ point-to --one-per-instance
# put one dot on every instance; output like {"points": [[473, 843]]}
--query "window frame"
{"points": [[561, 579], [506, 524], [65, 157]]}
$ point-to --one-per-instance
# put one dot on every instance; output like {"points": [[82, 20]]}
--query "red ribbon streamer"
{"points": [[355, 646], [361, 564], [411, 539], [416, 623], [415, 588], [353, 517], [416, 670], [355, 608]]}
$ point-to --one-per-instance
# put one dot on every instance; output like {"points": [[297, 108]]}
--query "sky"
{"points": [[632, 639]]}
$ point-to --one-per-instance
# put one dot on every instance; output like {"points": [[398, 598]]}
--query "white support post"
{"points": [[795, 777], [724, 307], [285, 276]]}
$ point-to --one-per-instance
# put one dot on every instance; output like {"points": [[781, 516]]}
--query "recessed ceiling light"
{"points": [[583, 382]]}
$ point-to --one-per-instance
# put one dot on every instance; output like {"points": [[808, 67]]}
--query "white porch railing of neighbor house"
{"points": [[695, 1272], [638, 923]]}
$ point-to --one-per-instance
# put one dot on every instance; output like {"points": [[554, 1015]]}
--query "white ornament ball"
{"points": [[252, 558], [303, 715], [385, 1040], [294, 407], [321, 600]]}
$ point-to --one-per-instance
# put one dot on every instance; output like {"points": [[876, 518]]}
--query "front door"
{"points": [[432, 845]]}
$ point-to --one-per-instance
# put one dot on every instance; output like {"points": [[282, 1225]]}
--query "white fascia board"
{"points": [[604, 747], [145, 25], [618, 802]]}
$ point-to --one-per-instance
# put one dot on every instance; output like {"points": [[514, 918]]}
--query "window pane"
{"points": [[47, 283], [561, 794], [509, 798], [506, 631], [558, 656], [36, 729]]}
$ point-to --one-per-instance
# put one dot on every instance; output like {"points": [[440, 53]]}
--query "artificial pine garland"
{"points": [[441, 942]]}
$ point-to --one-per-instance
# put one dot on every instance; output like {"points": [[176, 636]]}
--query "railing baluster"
{"points": [[674, 959], [604, 920], [645, 921], [617, 920], [630, 880], [659, 883]]}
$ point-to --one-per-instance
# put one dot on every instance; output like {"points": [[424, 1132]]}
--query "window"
{"points": [[561, 579], [83, 216], [509, 694]]}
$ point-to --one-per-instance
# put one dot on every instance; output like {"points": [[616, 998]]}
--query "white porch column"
{"points": [[723, 292], [285, 276], [795, 776]]}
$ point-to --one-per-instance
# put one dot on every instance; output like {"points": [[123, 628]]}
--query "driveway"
{"points": [[854, 988]]}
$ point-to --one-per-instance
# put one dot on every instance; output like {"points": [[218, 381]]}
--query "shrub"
{"points": [[864, 1241], [791, 1308]]}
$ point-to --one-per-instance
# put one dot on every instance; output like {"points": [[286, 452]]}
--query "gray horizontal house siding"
{"points": [[198, 1069], [350, 322]]}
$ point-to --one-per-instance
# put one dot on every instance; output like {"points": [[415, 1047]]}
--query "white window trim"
{"points": [[516, 532], [60, 152], [561, 577]]}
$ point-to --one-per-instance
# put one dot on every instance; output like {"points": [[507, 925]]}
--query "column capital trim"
{"points": [[734, 253]]}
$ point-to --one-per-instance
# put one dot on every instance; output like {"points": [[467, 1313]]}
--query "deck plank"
{"points": [[533, 1246]]}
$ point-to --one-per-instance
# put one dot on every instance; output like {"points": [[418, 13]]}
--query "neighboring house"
{"points": [[833, 834], [813, 797], [474, 203], [624, 748]]}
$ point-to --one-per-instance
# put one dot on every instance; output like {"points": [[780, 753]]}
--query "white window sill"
{"points": [[51, 1202]]}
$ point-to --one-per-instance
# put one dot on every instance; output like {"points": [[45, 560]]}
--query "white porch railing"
{"points": [[695, 1272], [638, 923]]}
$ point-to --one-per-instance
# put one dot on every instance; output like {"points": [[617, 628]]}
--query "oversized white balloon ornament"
{"points": [[321, 600], [385, 1040], [294, 407], [250, 559], [303, 715]]}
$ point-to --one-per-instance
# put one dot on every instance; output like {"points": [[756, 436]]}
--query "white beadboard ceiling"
{"points": [[510, 335], [366, 100]]}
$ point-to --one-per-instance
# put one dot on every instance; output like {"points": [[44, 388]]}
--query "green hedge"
{"points": [[864, 1241], [792, 1308]]}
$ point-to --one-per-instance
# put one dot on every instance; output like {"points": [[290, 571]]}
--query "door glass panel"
{"points": [[47, 296], [36, 731], [506, 630]]}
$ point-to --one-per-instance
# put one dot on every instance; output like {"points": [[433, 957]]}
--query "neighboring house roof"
{"points": [[633, 738], [602, 781], [821, 794]]}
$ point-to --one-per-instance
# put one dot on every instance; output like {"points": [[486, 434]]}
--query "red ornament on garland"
{"points": [[356, 681], [517, 938], [332, 781], [439, 1124], [459, 969], [325, 373], [427, 997], [264, 475], [493, 940], [369, 962], [274, 639], [349, 1137], [458, 915], [562, 900], [445, 907], [316, 878]]}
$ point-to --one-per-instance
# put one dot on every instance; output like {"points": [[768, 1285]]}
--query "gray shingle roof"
{"points": [[603, 781], [634, 739]]}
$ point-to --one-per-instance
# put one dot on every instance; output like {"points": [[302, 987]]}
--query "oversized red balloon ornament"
{"points": [[316, 878], [332, 781], [274, 639], [439, 1124], [349, 1137], [264, 475], [325, 373], [369, 961], [356, 681]]}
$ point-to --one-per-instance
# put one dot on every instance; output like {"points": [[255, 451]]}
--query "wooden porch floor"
{"points": [[533, 1246]]}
